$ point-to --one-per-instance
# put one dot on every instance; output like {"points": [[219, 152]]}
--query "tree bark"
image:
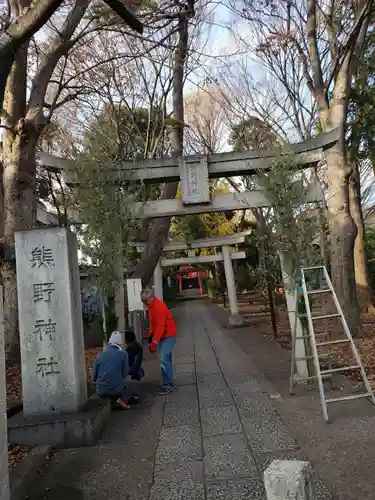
{"points": [[333, 113], [160, 227], [19, 168], [343, 233], [24, 123], [362, 277], [18, 33]]}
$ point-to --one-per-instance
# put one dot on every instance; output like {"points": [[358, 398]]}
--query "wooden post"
{"points": [[4, 471], [200, 283], [272, 308], [158, 281], [119, 292], [288, 479]]}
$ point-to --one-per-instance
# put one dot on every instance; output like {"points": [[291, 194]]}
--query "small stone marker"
{"points": [[50, 322], [4, 472], [288, 480]]}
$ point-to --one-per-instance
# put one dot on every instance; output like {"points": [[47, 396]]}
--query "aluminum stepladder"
{"points": [[327, 289]]}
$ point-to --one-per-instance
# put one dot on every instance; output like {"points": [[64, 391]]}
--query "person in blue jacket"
{"points": [[135, 356], [110, 370]]}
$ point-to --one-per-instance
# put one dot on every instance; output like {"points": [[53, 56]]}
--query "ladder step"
{"points": [[311, 267], [330, 342], [305, 379], [323, 290], [326, 316], [323, 316], [343, 369], [320, 356], [302, 337], [349, 398]]}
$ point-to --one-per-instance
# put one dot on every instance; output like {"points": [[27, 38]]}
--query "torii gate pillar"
{"points": [[235, 318]]}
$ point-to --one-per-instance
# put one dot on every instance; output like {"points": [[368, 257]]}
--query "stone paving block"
{"points": [[177, 489], [236, 489], [211, 379], [203, 348], [184, 353], [185, 395], [214, 395], [184, 368], [254, 405], [245, 385], [207, 366], [267, 435], [206, 356], [319, 489], [179, 443], [220, 420], [177, 415], [187, 469], [184, 350], [185, 379], [227, 456], [183, 359]]}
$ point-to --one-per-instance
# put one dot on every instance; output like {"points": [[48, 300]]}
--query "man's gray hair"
{"points": [[147, 293]]}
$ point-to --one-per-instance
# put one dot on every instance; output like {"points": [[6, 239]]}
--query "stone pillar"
{"points": [[4, 472], [50, 322], [288, 479], [235, 318], [290, 290], [158, 281]]}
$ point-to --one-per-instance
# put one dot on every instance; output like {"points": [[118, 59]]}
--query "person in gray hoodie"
{"points": [[110, 370]]}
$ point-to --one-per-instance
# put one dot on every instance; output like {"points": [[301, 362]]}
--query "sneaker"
{"points": [[121, 403], [134, 400], [166, 390]]}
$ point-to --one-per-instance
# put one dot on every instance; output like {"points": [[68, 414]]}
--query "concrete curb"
{"points": [[22, 476]]}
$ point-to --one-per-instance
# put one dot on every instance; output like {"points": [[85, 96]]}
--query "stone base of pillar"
{"points": [[63, 431], [235, 320]]}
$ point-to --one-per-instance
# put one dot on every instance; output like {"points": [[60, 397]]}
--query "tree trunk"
{"points": [[362, 277], [343, 232], [322, 217], [160, 227], [6, 63], [19, 214], [20, 32]]}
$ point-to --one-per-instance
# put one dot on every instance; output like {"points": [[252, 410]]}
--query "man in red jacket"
{"points": [[162, 336]]}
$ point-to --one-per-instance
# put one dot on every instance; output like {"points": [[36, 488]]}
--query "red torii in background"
{"points": [[188, 271]]}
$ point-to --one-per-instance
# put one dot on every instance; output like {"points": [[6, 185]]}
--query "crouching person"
{"points": [[110, 371], [135, 356]]}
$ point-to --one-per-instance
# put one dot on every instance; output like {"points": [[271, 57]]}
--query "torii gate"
{"points": [[194, 173], [226, 256]]}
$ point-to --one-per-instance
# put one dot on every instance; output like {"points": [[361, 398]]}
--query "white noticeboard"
{"points": [[134, 288]]}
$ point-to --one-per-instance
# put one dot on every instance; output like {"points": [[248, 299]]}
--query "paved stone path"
{"points": [[211, 439]]}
